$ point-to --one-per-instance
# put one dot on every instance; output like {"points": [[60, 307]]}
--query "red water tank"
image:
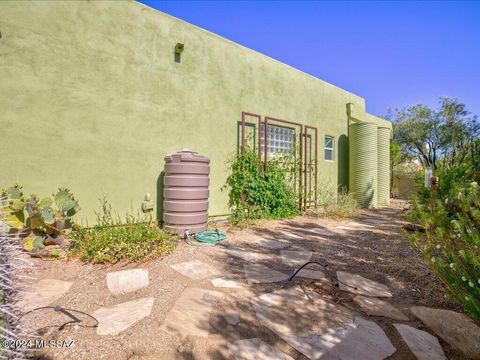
{"points": [[185, 205]]}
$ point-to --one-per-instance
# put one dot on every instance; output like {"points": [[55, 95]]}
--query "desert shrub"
{"points": [[113, 240], [451, 244], [333, 203], [255, 193]]}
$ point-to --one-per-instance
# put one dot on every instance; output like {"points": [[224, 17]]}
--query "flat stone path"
{"points": [[377, 307], [114, 319], [43, 293], [422, 344], [125, 281], [292, 312], [255, 349], [248, 255], [226, 282], [362, 340], [357, 284], [191, 313], [455, 328], [258, 274], [295, 258], [271, 244], [310, 274], [195, 270]]}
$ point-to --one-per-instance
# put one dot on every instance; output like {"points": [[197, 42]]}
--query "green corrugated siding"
{"points": [[383, 164], [363, 163]]}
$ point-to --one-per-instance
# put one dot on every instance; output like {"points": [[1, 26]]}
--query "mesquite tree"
{"points": [[443, 137]]}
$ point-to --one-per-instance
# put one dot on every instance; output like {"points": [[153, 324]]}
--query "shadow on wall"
{"points": [[160, 186], [343, 164]]}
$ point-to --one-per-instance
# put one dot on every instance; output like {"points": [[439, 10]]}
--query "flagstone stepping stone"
{"points": [[226, 282], [295, 258], [422, 344], [190, 315], [292, 235], [341, 227], [232, 315], [455, 328], [43, 293], [258, 273], [247, 255], [255, 349], [291, 312], [271, 244], [362, 340], [195, 270], [359, 285], [319, 231], [376, 307], [121, 282], [310, 274], [117, 318]]}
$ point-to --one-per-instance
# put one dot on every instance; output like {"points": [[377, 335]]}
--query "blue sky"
{"points": [[391, 53]]}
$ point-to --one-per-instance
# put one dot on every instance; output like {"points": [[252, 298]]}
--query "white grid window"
{"points": [[280, 139], [329, 141]]}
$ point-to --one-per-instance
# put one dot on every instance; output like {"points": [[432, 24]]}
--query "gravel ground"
{"points": [[377, 251]]}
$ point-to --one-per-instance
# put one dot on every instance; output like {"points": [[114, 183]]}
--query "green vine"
{"points": [[258, 194]]}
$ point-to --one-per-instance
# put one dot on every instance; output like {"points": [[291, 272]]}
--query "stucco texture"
{"points": [[93, 99]]}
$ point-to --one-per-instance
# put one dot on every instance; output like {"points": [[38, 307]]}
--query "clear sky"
{"points": [[391, 53]]}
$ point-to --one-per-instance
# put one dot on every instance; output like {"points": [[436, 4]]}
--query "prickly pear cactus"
{"points": [[47, 219]]}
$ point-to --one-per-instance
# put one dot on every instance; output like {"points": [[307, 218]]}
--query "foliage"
{"points": [[332, 203], [111, 240], [438, 138], [255, 193], [451, 218], [48, 218]]}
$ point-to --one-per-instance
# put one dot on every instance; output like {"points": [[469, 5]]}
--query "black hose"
{"points": [[65, 311], [330, 274]]}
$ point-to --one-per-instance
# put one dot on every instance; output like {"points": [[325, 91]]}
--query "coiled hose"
{"points": [[205, 238]]}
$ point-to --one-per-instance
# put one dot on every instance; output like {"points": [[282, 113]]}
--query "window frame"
{"points": [[325, 148]]}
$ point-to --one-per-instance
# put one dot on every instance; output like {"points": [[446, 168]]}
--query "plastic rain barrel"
{"points": [[186, 192]]}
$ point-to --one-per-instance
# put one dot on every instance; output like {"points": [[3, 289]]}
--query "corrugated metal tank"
{"points": [[186, 192], [383, 165], [363, 163]]}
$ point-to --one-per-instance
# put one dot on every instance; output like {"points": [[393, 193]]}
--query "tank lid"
{"points": [[187, 156]]}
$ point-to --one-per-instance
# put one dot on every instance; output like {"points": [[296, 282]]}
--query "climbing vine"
{"points": [[255, 193]]}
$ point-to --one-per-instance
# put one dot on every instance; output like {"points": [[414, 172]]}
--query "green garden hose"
{"points": [[205, 238]]}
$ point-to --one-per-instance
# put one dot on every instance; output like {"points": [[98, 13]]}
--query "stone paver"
{"points": [[310, 274], [195, 270], [43, 293], [121, 282], [271, 244], [248, 255], [190, 314], [226, 282], [320, 231], [295, 258], [231, 314], [115, 319], [377, 307], [359, 285], [422, 344], [291, 312], [258, 273], [362, 340], [455, 328], [255, 349], [292, 235]]}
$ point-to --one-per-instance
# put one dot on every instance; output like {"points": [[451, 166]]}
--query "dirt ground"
{"points": [[379, 252]]}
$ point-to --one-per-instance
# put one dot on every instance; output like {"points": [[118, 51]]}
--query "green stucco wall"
{"points": [[92, 99]]}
